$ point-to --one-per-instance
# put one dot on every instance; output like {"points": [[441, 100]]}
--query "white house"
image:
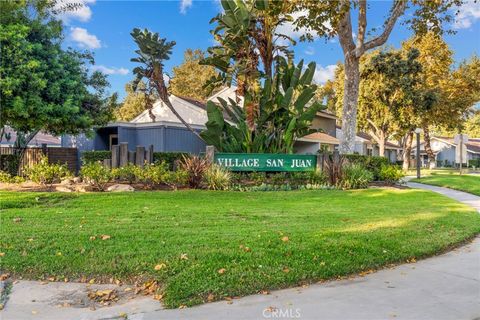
{"points": [[366, 145], [444, 149]]}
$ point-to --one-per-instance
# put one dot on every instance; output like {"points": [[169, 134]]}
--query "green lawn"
{"points": [[467, 183], [262, 240]]}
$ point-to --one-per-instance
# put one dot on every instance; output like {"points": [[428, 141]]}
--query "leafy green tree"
{"points": [[190, 78], [134, 103], [44, 87], [472, 125], [286, 110], [152, 52], [334, 18]]}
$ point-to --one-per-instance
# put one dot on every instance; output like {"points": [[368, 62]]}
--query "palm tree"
{"points": [[152, 51]]}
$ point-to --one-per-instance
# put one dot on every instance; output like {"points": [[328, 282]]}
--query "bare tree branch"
{"points": [[399, 7]]}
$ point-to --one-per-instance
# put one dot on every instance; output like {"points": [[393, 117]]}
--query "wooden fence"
{"points": [[32, 156]]}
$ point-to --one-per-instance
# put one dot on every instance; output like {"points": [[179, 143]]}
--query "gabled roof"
{"points": [[473, 144], [365, 136], [39, 139]]}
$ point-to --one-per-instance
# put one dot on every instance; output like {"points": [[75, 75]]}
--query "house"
{"points": [[10, 136], [162, 129], [366, 145], [444, 149]]}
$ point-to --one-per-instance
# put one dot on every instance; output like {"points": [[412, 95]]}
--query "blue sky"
{"points": [[104, 27]]}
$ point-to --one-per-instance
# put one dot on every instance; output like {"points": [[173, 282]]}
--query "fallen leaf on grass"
{"points": [[160, 266], [4, 276], [92, 238], [182, 306], [92, 281], [286, 270], [157, 297], [285, 239], [264, 292], [2, 254], [105, 236], [17, 220], [221, 271], [210, 297], [183, 256]]}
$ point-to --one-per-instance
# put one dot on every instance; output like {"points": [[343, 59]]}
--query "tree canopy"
{"points": [[190, 78], [44, 87]]}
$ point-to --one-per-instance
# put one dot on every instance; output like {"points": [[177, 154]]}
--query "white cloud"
{"points": [[322, 74], [310, 51], [84, 39], [289, 29], [110, 70], [184, 5], [468, 13], [83, 13]]}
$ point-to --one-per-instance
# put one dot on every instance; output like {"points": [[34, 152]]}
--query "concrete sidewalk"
{"points": [[467, 198]]}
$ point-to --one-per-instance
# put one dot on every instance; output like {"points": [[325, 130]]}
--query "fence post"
{"points": [[140, 156], [210, 154], [320, 158], [115, 156], [131, 157], [123, 154], [149, 154]]}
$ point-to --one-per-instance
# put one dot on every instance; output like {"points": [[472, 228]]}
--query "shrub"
{"points": [[169, 157], [177, 178], [371, 163], [217, 178], [316, 177], [6, 177], [391, 174], [9, 163], [46, 173], [474, 163], [196, 167], [355, 176], [153, 174], [95, 156], [128, 173], [96, 174]]}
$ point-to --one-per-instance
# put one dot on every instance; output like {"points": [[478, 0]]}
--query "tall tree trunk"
{"points": [[350, 101], [407, 150], [428, 149], [381, 144]]}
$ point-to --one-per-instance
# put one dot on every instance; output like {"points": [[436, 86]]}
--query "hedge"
{"points": [[168, 157], [371, 163], [95, 156], [474, 163]]}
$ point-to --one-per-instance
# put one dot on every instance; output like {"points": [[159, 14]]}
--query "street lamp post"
{"points": [[418, 131]]}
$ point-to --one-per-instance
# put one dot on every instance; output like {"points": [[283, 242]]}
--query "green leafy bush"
{"points": [[128, 173], [316, 177], [169, 157], [355, 176], [154, 174], [217, 178], [9, 163], [371, 163], [95, 156], [46, 173], [177, 178], [474, 163], [96, 174], [196, 167], [391, 173], [6, 177]]}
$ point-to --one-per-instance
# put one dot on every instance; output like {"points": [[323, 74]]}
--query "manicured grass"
{"points": [[467, 183], [262, 240]]}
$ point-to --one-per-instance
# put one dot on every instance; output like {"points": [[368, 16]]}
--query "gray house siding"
{"points": [[326, 124], [180, 139], [128, 135]]}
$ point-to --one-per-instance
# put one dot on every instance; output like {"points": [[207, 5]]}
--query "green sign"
{"points": [[266, 161]]}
